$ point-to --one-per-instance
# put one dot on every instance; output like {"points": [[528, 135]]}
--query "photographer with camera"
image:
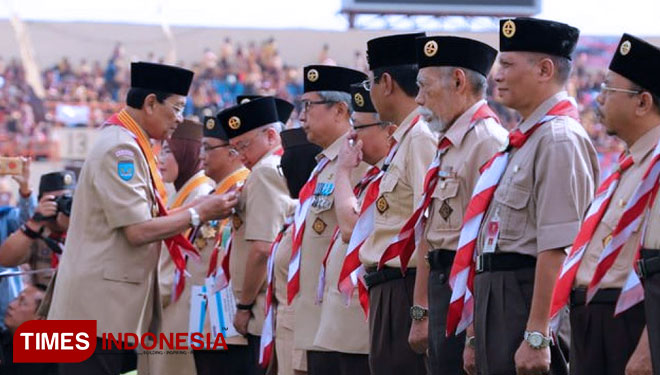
{"points": [[40, 240], [11, 219]]}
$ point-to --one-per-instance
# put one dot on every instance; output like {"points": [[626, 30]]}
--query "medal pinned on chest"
{"points": [[322, 195]]}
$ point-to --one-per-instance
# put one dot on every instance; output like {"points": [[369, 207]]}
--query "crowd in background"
{"points": [[221, 73]]}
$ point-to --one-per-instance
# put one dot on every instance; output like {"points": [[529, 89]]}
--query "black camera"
{"points": [[64, 203]]}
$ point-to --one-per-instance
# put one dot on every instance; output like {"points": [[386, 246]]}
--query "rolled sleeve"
{"points": [[562, 181], [26, 206], [125, 200]]}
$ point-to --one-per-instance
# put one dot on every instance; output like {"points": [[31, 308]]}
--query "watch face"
{"points": [[535, 340], [417, 312]]}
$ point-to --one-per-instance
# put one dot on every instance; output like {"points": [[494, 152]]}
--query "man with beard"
{"points": [[452, 89]]}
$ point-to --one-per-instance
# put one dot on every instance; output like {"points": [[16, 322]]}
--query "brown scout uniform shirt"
{"points": [[546, 188], [319, 225], [641, 152], [101, 276], [262, 208], [469, 150], [400, 189]]}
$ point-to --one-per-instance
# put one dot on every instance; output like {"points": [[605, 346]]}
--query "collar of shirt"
{"points": [[405, 124], [645, 145], [333, 150], [457, 131], [268, 154], [542, 110]]}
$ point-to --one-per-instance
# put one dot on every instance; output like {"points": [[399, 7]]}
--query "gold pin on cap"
{"points": [[245, 100], [312, 75], [359, 100], [509, 29], [210, 123], [625, 47], [68, 179], [431, 48], [234, 122]]}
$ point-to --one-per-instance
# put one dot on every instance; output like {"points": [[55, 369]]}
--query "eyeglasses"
{"points": [[362, 126], [366, 84], [242, 146], [308, 103], [604, 88], [177, 110], [207, 148]]}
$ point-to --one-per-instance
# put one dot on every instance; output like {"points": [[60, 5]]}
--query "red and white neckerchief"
{"points": [[461, 278], [305, 198], [178, 245], [221, 274], [404, 244], [639, 203], [357, 191], [593, 217], [348, 277], [268, 329]]}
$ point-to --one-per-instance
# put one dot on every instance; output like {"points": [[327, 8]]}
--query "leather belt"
{"points": [[440, 259], [374, 277], [603, 296], [493, 262], [649, 263]]}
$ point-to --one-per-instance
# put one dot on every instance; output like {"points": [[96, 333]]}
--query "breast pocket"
{"points": [[446, 208], [512, 202], [389, 201], [319, 218], [115, 272]]}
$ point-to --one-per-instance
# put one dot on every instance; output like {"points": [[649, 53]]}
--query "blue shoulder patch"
{"points": [[125, 170]]}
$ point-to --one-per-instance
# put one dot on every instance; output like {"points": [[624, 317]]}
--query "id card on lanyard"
{"points": [[492, 233]]}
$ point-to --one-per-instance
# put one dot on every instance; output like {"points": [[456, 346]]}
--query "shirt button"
{"points": [[622, 203], [516, 168], [443, 185]]}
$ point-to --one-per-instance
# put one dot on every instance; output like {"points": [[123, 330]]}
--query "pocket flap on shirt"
{"points": [[446, 189], [116, 273], [388, 183], [513, 196]]}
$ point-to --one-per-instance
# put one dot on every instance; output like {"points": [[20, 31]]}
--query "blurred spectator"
{"points": [[20, 310], [11, 219]]}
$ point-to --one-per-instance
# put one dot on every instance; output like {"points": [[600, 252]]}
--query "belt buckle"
{"points": [[641, 269], [480, 264]]}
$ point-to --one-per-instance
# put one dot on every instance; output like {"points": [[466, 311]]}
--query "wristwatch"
{"points": [[194, 217], [537, 340], [241, 306], [418, 312]]}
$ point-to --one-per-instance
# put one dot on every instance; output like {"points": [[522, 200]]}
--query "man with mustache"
{"points": [[452, 89]]}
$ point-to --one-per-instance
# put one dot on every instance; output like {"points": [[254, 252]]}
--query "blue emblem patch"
{"points": [[125, 170]]}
